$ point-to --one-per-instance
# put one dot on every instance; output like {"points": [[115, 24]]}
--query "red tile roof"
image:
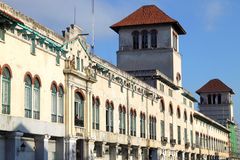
{"points": [[214, 85], [148, 15]]}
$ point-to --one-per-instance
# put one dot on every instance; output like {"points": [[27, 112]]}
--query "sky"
{"points": [[209, 49]]}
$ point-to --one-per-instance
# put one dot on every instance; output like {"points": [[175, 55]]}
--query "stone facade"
{"points": [[87, 108]]}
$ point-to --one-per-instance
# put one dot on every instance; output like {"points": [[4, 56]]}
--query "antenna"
{"points": [[74, 15], [93, 27]]}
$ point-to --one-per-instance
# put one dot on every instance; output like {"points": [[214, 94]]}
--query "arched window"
{"points": [[95, 112], [6, 87], [191, 118], [219, 99], [154, 39], [209, 99], [170, 109], [79, 109], [36, 99], [144, 39], [185, 116], [54, 102], [109, 117], [133, 122], [142, 125], [214, 99], [61, 104], [122, 115], [28, 97], [135, 36], [201, 100], [162, 106], [178, 113]]}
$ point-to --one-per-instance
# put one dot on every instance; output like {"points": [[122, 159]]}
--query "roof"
{"points": [[7, 15], [214, 85], [148, 15]]}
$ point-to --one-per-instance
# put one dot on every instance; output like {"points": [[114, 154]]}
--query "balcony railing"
{"points": [[6, 109]]}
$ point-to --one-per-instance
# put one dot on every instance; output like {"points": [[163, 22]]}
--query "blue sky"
{"points": [[209, 50]]}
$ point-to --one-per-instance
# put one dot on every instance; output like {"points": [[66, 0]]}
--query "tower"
{"points": [[216, 101], [149, 40]]}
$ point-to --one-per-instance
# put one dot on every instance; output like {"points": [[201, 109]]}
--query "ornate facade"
{"points": [[59, 101]]}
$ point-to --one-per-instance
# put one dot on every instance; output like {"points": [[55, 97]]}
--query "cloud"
{"points": [[214, 10]]}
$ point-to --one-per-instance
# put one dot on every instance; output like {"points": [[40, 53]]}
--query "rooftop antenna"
{"points": [[74, 15], [93, 27]]}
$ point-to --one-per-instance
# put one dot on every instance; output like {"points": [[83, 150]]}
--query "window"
{"points": [[185, 135], [61, 105], [197, 138], [122, 116], [144, 39], [78, 62], [152, 127], [142, 125], [184, 101], [185, 116], [79, 110], [54, 103], [191, 134], [109, 117], [154, 39], [170, 109], [28, 97], [162, 128], [36, 99], [95, 112], [209, 99], [2, 34], [214, 99], [191, 118], [135, 36], [33, 46], [133, 122], [162, 107], [161, 87], [175, 41], [178, 113], [171, 130], [219, 99], [170, 92], [179, 135], [6, 88]]}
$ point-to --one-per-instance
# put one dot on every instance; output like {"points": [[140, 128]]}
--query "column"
{"points": [[103, 149], [183, 155], [139, 153], [70, 147], [113, 151], [60, 148], [41, 152], [89, 152], [13, 145]]}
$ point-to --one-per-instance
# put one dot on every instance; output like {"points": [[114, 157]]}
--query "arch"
{"points": [[185, 115], [144, 39], [162, 105], [9, 69], [153, 38], [124, 109], [178, 112], [135, 38], [191, 118], [178, 76], [80, 92], [28, 74], [36, 77], [107, 102], [54, 84], [61, 86], [93, 99], [120, 108], [112, 104], [97, 99], [170, 109]]}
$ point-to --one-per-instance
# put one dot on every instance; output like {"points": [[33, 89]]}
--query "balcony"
{"points": [[164, 140], [187, 145], [173, 142], [80, 131]]}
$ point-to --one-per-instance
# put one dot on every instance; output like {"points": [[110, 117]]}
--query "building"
{"points": [[216, 102], [62, 102]]}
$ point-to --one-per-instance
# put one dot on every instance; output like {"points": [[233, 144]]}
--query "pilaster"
{"points": [[13, 145], [41, 147]]}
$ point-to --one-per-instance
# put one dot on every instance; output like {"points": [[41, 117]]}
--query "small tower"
{"points": [[149, 40], [216, 101]]}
